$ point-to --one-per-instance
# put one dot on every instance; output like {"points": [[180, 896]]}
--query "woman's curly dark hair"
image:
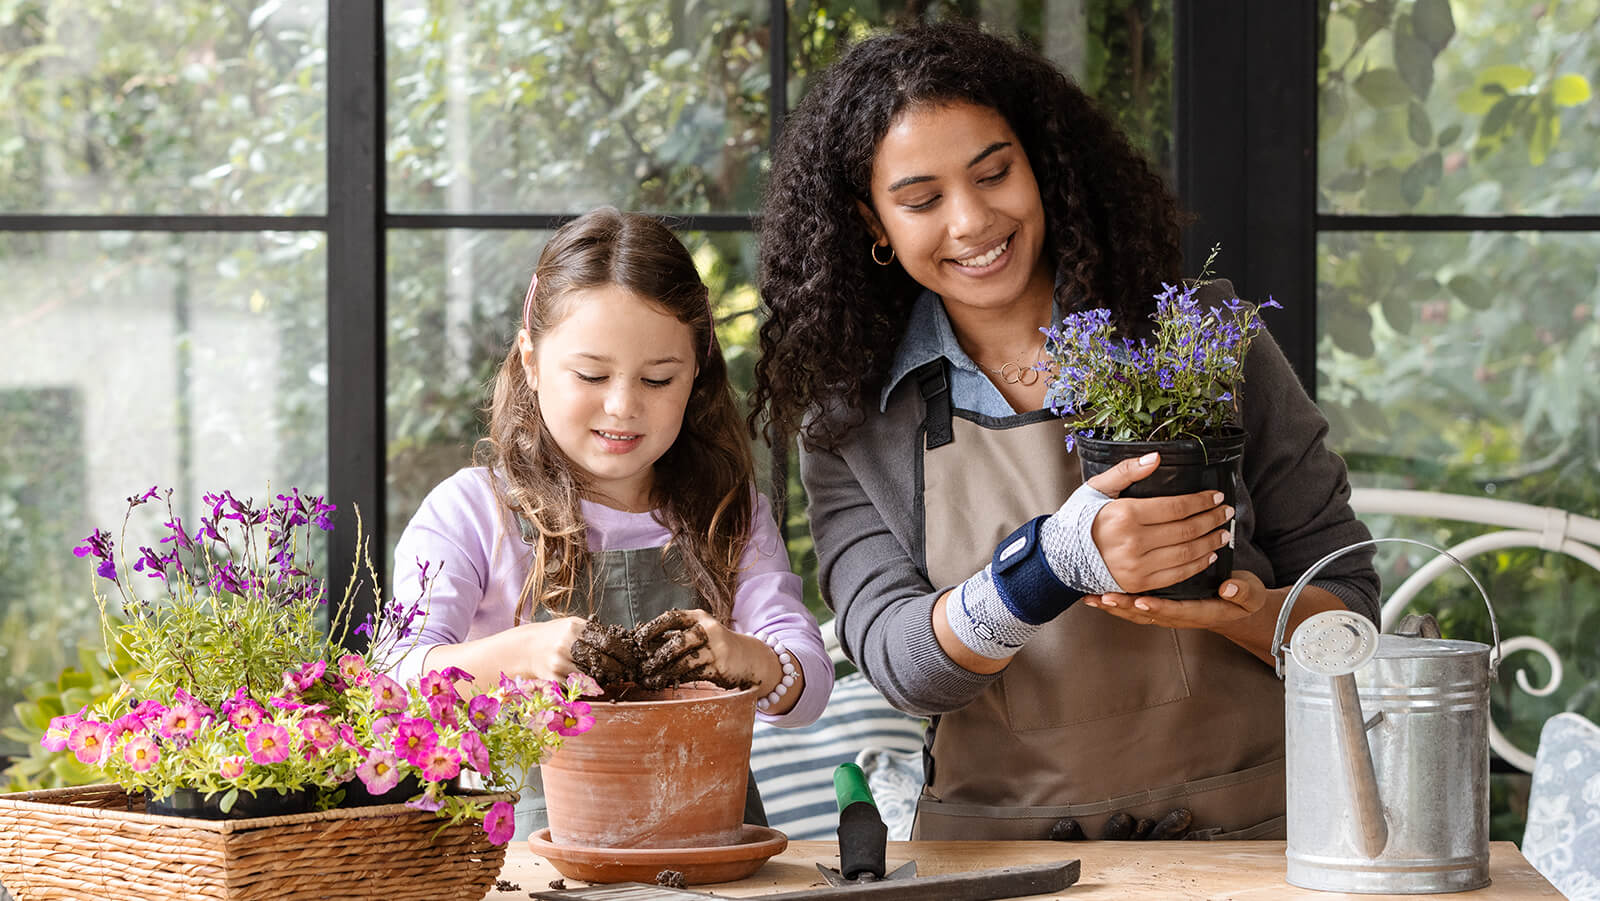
{"points": [[835, 318]]}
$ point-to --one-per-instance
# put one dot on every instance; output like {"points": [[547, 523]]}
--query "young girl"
{"points": [[615, 485]]}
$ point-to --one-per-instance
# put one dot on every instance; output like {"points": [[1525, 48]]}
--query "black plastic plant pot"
{"points": [[357, 795], [1187, 465], [193, 803]]}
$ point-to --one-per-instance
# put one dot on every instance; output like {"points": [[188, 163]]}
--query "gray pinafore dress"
{"points": [[631, 587], [1096, 715]]}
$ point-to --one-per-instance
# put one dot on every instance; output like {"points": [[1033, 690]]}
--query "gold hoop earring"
{"points": [[874, 252]]}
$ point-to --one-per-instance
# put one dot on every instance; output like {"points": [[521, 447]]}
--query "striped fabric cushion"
{"points": [[794, 767]]}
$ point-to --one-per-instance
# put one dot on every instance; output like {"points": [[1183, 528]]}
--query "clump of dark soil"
{"points": [[671, 879], [658, 654], [559, 885]]}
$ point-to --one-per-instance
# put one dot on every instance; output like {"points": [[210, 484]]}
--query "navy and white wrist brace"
{"points": [[1037, 572]]}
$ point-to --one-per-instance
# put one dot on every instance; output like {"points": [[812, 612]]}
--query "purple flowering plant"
{"points": [[1178, 383], [242, 683]]}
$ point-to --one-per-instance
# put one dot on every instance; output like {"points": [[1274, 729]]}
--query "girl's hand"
{"points": [[1239, 597], [530, 651], [702, 648], [537, 650], [1149, 543]]}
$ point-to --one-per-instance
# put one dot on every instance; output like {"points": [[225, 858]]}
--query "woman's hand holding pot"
{"points": [[1150, 543], [1242, 595]]}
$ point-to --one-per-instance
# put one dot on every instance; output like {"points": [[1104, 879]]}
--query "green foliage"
{"points": [[93, 681]]}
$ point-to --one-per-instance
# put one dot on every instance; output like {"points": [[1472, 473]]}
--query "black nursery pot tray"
{"points": [[193, 803]]}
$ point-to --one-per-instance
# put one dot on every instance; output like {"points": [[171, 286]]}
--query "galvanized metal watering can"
{"points": [[1387, 751]]}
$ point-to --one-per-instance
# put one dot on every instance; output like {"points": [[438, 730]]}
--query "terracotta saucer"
{"points": [[699, 866]]}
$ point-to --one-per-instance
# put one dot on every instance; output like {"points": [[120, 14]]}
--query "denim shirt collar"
{"points": [[928, 336]]}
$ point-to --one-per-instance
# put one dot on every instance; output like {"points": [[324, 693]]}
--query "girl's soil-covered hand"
{"points": [[1150, 543], [685, 645]]}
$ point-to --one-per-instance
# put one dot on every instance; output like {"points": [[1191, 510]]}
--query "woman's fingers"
{"points": [[1241, 595]]}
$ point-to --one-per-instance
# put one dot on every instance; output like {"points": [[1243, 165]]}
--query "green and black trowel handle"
{"points": [[863, 838]]}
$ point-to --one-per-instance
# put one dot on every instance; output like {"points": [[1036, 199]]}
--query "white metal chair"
{"points": [[1562, 840], [1520, 525]]}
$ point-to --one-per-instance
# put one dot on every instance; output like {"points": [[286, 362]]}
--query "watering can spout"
{"points": [[1372, 830]]}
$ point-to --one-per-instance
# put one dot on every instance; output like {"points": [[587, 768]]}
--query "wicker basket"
{"points": [[96, 841]]}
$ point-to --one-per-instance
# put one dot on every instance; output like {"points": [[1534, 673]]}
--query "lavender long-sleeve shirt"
{"points": [[482, 562]]}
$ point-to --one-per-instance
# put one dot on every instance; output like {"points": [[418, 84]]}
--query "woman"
{"points": [[938, 197]]}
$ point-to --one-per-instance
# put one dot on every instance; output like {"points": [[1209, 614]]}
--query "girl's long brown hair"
{"points": [[703, 483]]}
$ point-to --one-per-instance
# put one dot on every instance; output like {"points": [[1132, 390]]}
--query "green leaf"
{"points": [[1546, 131], [1570, 90], [1382, 87], [1499, 115], [1433, 23], [1477, 100], [228, 800], [1414, 60], [1418, 127], [1470, 291], [1509, 77], [1449, 135], [1331, 107]]}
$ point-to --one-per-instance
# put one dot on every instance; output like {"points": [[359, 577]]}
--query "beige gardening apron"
{"points": [[1096, 715]]}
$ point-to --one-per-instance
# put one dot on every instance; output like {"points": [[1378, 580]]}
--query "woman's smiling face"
{"points": [[953, 193]]}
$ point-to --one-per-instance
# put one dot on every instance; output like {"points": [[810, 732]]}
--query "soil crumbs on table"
{"points": [[671, 879]]}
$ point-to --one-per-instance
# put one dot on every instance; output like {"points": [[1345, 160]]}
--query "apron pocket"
{"points": [[1046, 688], [1248, 804]]}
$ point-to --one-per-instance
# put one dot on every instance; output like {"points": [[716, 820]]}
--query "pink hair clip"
{"points": [[527, 302]]}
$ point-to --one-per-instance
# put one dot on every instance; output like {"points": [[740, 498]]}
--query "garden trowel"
{"points": [[863, 837]]}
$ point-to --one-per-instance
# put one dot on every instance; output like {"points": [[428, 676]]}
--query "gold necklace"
{"points": [[1013, 372]]}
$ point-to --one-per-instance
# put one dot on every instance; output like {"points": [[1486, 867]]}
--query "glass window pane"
{"points": [[193, 362], [171, 108], [549, 106], [1124, 60], [455, 301], [1458, 107], [1470, 364]]}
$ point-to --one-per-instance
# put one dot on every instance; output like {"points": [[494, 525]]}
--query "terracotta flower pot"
{"points": [[1187, 465], [663, 769]]}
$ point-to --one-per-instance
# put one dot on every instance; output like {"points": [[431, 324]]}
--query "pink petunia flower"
{"points": [[430, 799], [88, 741], [477, 753], [353, 669], [443, 711], [149, 711], [441, 763], [500, 823], [456, 674], [55, 737], [515, 689], [413, 739], [380, 772], [231, 767], [582, 685], [383, 725], [141, 753], [268, 743], [436, 684], [246, 715], [181, 721], [319, 732], [387, 694], [571, 719], [482, 711]]}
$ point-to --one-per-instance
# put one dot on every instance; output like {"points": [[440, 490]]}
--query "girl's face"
{"points": [[613, 379], [954, 195]]}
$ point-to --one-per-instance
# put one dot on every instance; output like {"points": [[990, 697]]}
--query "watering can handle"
{"points": [[1305, 579]]}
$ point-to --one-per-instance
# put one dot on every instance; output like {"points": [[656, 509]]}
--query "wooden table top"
{"points": [[1166, 870]]}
